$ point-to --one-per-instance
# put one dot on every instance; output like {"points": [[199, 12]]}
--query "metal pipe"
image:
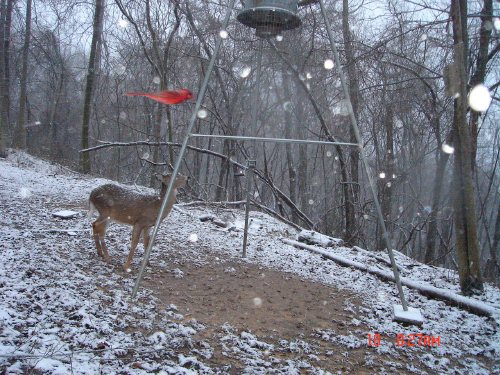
{"points": [[274, 140], [249, 177], [251, 164], [192, 121], [357, 134]]}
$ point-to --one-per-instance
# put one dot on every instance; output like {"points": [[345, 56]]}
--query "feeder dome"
{"points": [[270, 17]]}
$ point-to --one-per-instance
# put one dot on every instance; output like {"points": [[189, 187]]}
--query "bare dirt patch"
{"points": [[272, 305], [266, 302]]}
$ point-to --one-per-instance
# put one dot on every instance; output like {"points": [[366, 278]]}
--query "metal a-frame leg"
{"points": [[182, 151], [355, 127]]}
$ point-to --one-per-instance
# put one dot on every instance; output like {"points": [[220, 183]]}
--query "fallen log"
{"points": [[472, 305]]}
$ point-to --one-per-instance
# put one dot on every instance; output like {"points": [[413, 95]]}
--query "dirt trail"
{"points": [[251, 298], [271, 305]]}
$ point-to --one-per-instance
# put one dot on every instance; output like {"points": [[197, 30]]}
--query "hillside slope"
{"points": [[204, 309]]}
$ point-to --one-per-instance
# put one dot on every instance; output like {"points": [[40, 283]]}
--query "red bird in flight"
{"points": [[166, 97]]}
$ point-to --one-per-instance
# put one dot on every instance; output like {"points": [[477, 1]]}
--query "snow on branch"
{"points": [[239, 203], [276, 191], [311, 237]]}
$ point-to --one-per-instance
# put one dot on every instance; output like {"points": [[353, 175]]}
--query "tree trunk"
{"points": [[436, 198], [467, 243], [89, 87], [351, 223], [442, 160], [20, 135], [56, 150], [302, 175], [6, 7], [385, 184], [347, 192], [224, 168], [496, 241], [292, 173], [480, 69], [237, 189], [158, 124]]}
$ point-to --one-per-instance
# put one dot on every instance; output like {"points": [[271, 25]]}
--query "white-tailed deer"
{"points": [[115, 203]]}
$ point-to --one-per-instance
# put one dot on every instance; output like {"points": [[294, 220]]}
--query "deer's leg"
{"points": [[99, 229], [95, 231], [136, 234], [145, 235]]}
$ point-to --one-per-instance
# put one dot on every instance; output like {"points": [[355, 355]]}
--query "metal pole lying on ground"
{"points": [[192, 121], [355, 127]]}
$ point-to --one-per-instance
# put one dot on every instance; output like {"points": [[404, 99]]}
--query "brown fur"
{"points": [[115, 203]]}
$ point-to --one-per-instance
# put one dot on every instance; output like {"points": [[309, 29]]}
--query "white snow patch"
{"points": [[58, 297]]}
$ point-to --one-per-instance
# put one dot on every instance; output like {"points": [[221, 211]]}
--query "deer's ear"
{"points": [[165, 178], [181, 180]]}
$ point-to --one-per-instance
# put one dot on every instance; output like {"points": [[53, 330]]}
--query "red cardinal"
{"points": [[167, 96]]}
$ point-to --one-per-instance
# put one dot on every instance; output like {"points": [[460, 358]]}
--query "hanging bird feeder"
{"points": [[270, 17]]}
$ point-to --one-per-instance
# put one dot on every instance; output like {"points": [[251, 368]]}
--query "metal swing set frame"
{"points": [[252, 163]]}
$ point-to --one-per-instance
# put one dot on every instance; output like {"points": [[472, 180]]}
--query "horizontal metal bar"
{"points": [[276, 140]]}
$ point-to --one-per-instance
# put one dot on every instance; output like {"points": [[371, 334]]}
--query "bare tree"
{"points": [[91, 75], [467, 243], [352, 74], [483, 57], [6, 7], [395, 88], [20, 134]]}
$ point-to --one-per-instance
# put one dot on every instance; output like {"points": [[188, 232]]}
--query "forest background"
{"points": [[66, 65]]}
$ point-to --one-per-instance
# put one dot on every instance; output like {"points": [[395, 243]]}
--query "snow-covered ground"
{"points": [[63, 310]]}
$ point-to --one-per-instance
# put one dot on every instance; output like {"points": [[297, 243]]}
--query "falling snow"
{"points": [[120, 69], [202, 113], [123, 23], [496, 24], [257, 302], [223, 34], [328, 64], [480, 98], [70, 312], [245, 71], [447, 149]]}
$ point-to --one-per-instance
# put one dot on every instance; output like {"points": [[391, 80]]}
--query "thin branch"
{"points": [[259, 173]]}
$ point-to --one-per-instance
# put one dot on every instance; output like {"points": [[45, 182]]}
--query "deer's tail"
{"points": [[92, 209]]}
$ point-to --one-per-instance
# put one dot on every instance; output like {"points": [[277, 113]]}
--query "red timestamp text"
{"points": [[411, 340]]}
